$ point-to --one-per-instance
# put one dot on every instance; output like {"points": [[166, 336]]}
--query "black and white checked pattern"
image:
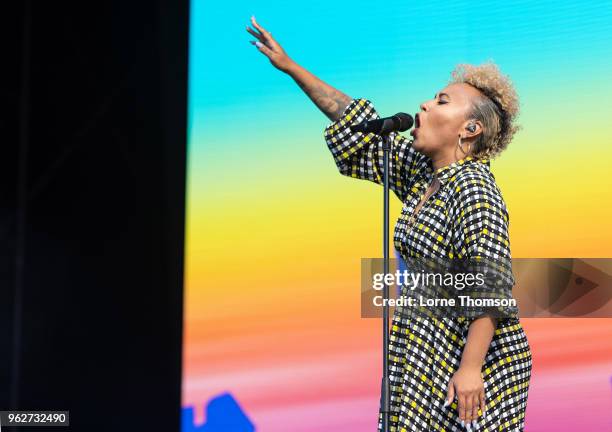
{"points": [[465, 218]]}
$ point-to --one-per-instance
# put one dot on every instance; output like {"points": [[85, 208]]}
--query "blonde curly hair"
{"points": [[497, 110]]}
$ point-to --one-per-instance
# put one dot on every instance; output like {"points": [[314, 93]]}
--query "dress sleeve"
{"points": [[360, 155], [482, 244]]}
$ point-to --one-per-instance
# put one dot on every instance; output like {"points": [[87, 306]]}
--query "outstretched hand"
{"points": [[269, 47]]}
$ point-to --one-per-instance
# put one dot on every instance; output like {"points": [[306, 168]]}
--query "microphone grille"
{"points": [[405, 120]]}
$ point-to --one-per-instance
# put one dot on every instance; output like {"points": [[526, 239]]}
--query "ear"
{"points": [[472, 128]]}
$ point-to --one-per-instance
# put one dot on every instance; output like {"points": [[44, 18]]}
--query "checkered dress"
{"points": [[466, 217]]}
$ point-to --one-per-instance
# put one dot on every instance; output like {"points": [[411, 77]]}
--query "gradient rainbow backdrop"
{"points": [[275, 233]]}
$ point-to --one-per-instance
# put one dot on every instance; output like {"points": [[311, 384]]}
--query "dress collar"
{"points": [[447, 172]]}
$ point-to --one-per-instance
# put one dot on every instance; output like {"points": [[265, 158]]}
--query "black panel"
{"points": [[94, 169]]}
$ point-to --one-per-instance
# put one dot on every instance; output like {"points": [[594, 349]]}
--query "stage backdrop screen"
{"points": [[273, 339]]}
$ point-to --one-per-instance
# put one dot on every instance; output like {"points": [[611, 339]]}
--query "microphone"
{"points": [[397, 123]]}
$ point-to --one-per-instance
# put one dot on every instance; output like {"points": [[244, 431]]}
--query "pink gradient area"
{"points": [[336, 392], [338, 415], [570, 386], [305, 381], [571, 399]]}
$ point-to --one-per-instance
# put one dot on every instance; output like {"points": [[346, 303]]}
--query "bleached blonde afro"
{"points": [[497, 110]]}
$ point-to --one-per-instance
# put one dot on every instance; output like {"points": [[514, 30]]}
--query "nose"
{"points": [[423, 106]]}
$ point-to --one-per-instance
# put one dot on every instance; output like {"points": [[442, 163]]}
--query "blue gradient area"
{"points": [[241, 109], [366, 49]]}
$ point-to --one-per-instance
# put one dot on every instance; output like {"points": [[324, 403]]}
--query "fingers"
{"points": [[254, 33], [264, 36], [263, 48], [483, 401], [469, 407], [461, 408], [450, 394], [470, 395], [260, 28], [475, 406], [473, 403]]}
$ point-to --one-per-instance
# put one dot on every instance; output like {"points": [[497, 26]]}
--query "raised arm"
{"points": [[356, 154], [328, 99]]}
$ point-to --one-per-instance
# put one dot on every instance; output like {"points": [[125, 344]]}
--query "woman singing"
{"points": [[447, 374]]}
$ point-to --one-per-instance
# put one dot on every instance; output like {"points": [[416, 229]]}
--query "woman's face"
{"points": [[443, 118]]}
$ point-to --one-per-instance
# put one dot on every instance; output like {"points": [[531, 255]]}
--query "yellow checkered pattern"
{"points": [[466, 217]]}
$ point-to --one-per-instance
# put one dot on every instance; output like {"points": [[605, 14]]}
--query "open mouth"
{"points": [[417, 124]]}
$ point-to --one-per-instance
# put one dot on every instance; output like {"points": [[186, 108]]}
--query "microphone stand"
{"points": [[385, 387], [384, 127]]}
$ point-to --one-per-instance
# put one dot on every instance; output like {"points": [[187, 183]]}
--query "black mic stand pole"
{"points": [[385, 396]]}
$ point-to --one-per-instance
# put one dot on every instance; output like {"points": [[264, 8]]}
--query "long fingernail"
{"points": [[446, 403], [474, 424], [258, 44], [462, 423], [467, 427]]}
